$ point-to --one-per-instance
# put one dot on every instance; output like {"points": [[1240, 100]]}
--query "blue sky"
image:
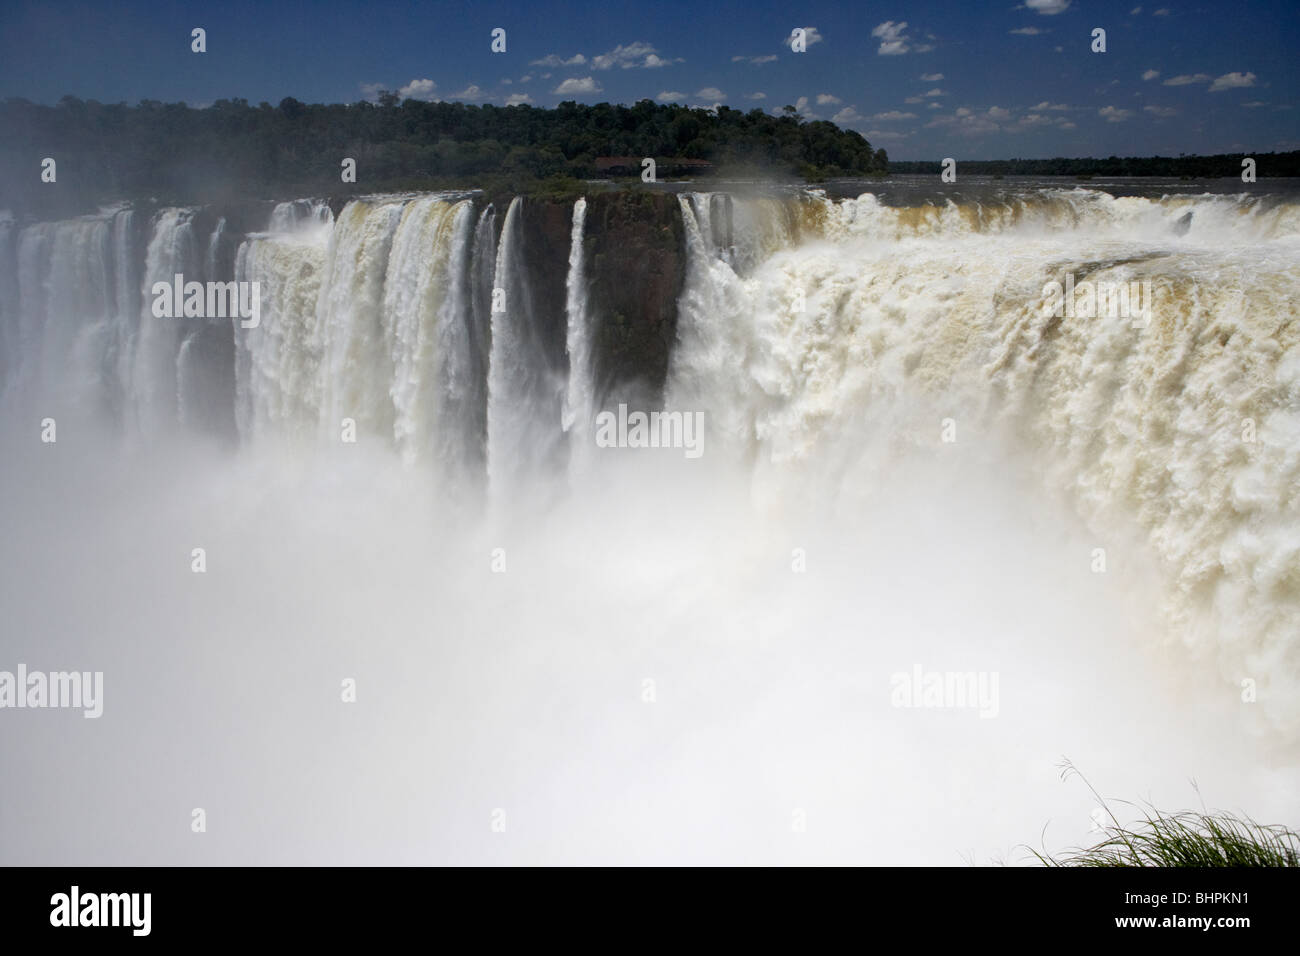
{"points": [[974, 80]]}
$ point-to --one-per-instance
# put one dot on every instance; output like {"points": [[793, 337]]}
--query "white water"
{"points": [[525, 690], [914, 316], [580, 398], [523, 398]]}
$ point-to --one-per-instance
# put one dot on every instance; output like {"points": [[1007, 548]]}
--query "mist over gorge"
{"points": [[909, 463]]}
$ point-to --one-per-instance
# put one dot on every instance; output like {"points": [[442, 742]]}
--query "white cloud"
{"points": [[893, 116], [810, 36], [1162, 12], [1135, 11], [931, 77], [998, 113], [847, 115], [1060, 107], [824, 98], [757, 96], [1150, 74], [1031, 120], [629, 56], [507, 81], [893, 42], [552, 60], [470, 92], [935, 106], [671, 96], [1254, 104], [1048, 7], [577, 85], [770, 58], [518, 99], [526, 78], [1027, 31], [885, 136], [711, 93], [915, 99], [1113, 114], [1161, 110], [418, 90], [966, 123], [1232, 81], [1187, 79], [934, 92]]}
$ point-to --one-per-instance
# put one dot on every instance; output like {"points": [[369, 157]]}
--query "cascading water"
{"points": [[279, 389], [580, 398], [524, 398], [908, 461], [833, 357], [154, 380], [74, 313], [370, 315]]}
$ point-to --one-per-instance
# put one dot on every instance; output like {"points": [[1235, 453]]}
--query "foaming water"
{"points": [[1178, 437], [908, 465]]}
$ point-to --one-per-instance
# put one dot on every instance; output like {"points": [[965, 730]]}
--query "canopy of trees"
{"points": [[233, 149]]}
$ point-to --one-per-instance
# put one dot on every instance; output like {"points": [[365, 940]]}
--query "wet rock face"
{"points": [[636, 264], [634, 247], [545, 230]]}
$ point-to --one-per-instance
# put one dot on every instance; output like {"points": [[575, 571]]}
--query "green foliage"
{"points": [[234, 149], [1187, 838]]}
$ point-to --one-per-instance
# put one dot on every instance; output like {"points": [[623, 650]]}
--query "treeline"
{"points": [[1192, 167], [235, 150]]}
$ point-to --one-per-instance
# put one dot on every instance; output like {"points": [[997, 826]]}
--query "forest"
{"points": [[234, 150]]}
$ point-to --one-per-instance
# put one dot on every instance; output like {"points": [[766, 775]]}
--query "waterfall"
{"points": [[74, 298], [427, 329], [822, 339], [911, 465], [482, 274], [278, 390], [357, 365], [154, 381], [524, 397], [580, 399], [212, 262], [456, 437], [371, 313], [827, 363]]}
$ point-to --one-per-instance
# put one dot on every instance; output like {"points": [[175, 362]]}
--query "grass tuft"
{"points": [[1186, 838]]}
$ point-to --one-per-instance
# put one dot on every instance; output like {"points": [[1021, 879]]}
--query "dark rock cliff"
{"points": [[634, 247], [636, 264]]}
